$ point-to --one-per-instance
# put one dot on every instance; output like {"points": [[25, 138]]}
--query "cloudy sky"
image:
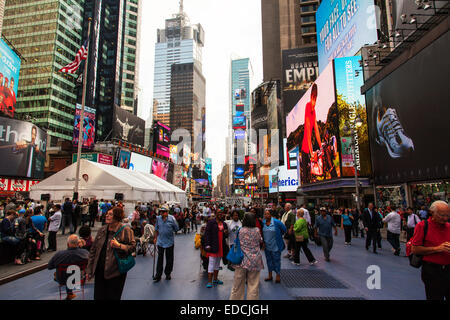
{"points": [[232, 29]]}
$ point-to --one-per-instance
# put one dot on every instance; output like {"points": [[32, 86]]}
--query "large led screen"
{"points": [[22, 149], [343, 27], [313, 126], [140, 163], [239, 122], [162, 140], [88, 127], [124, 159], [160, 169], [352, 115], [409, 118], [9, 79]]}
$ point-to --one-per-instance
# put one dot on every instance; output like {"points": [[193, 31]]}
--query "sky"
{"points": [[232, 30]]}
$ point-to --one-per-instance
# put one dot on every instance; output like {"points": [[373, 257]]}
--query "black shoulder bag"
{"points": [[414, 259]]}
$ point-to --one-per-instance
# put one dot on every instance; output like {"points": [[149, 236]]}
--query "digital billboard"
{"points": [[240, 94], [162, 139], [343, 27], [208, 169], [282, 179], [94, 157], [88, 129], [140, 163], [239, 122], [313, 126], [351, 106], [239, 172], [300, 70], [160, 169], [124, 159], [128, 127], [408, 113], [22, 149], [9, 79], [239, 134]]}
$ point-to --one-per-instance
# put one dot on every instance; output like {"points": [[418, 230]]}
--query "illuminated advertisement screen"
{"points": [[124, 159], [352, 105], [9, 79], [160, 169], [409, 132], [22, 149], [162, 134], [88, 127], [313, 126], [239, 134], [239, 122], [239, 172], [343, 27], [140, 163]]}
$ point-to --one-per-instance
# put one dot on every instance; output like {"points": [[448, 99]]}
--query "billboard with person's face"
{"points": [[313, 126], [124, 159], [88, 129], [351, 104], [128, 127], [22, 149], [343, 27], [408, 113], [9, 79]]}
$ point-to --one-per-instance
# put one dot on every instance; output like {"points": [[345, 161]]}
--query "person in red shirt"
{"points": [[307, 144], [435, 249]]}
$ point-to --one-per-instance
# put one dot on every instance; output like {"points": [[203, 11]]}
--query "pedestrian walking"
{"points": [[301, 238], [273, 231], [247, 273], [93, 212], [216, 233], [434, 246], [76, 216], [371, 221], [394, 222], [411, 222], [323, 229], [346, 225], [233, 226], [288, 219], [111, 237], [165, 227], [67, 210]]}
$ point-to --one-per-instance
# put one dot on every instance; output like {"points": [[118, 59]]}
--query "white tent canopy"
{"points": [[104, 181]]}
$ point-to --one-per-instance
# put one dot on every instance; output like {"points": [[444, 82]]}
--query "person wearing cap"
{"points": [[324, 224], [165, 227]]}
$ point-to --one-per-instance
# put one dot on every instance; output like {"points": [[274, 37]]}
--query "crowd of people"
{"points": [[257, 228]]}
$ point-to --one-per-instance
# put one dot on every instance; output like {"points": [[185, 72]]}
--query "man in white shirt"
{"points": [[394, 221], [306, 215], [55, 222], [411, 221]]}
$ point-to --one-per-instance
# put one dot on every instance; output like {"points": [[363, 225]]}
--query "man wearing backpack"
{"points": [[432, 241]]}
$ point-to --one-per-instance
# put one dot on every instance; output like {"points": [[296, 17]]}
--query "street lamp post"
{"points": [[356, 123]]}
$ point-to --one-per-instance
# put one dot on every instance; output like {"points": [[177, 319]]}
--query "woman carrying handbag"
{"points": [[110, 256], [301, 239]]}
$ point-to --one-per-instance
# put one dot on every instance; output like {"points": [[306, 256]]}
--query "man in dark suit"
{"points": [[371, 220], [30, 151]]}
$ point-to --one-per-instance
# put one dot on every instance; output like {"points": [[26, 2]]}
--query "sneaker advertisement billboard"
{"points": [[408, 113], [313, 126], [22, 149], [352, 116]]}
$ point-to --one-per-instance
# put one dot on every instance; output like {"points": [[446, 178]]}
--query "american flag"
{"points": [[81, 55]]}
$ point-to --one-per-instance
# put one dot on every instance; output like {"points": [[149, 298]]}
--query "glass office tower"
{"points": [[178, 43], [48, 35]]}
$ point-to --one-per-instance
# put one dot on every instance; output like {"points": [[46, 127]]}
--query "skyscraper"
{"points": [[286, 24], [48, 35], [239, 119], [113, 74], [179, 43]]}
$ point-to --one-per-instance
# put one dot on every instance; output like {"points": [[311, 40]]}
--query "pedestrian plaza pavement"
{"points": [[344, 278]]}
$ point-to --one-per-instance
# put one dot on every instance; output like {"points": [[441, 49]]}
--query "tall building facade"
{"points": [[286, 24], [113, 71], [2, 12], [240, 114], [47, 34], [179, 43]]}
